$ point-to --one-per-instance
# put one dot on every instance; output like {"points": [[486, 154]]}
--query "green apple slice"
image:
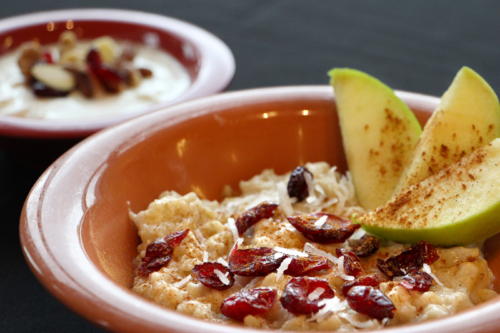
{"points": [[467, 118], [379, 133], [459, 205]]}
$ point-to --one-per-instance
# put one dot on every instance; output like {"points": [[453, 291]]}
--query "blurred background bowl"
{"points": [[75, 230], [38, 142]]}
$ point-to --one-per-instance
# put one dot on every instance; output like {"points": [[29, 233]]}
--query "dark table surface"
{"points": [[417, 46]]}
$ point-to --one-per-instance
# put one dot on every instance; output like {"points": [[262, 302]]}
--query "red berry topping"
{"points": [[159, 252], [371, 302], [254, 262], [295, 297], [205, 273], [352, 265], [248, 302], [334, 230], [415, 256], [253, 215], [366, 280], [416, 280], [303, 265]]}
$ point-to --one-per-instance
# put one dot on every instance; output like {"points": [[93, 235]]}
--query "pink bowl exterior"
{"points": [[51, 222]]}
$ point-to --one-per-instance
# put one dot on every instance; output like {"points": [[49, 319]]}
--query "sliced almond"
{"points": [[54, 76]]}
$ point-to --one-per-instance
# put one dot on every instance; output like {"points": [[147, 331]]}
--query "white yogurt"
{"points": [[170, 79]]}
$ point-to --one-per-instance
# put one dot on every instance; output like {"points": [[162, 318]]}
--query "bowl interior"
{"points": [[48, 33]]}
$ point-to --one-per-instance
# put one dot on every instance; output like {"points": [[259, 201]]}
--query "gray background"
{"points": [[415, 46]]}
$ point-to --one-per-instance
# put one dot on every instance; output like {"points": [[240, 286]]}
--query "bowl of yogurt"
{"points": [[52, 95]]}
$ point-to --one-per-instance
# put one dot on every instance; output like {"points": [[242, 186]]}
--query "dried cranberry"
{"points": [[303, 265], [366, 280], [109, 76], [334, 230], [365, 246], [42, 90], [371, 302], [47, 57], [416, 280], [253, 215], [205, 273], [248, 302], [295, 297], [297, 185], [164, 246], [254, 262], [415, 256], [159, 251], [352, 265], [94, 58], [153, 265]]}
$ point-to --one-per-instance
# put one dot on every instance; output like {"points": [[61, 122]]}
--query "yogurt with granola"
{"points": [[284, 255], [87, 79]]}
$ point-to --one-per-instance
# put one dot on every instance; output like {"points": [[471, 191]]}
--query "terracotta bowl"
{"points": [[75, 230], [207, 59]]}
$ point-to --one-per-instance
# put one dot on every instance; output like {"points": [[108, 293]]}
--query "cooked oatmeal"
{"points": [[460, 276]]}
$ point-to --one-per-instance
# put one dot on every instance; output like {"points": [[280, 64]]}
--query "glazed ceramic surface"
{"points": [[75, 230], [207, 59]]}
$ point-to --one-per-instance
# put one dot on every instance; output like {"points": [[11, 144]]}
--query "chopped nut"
{"points": [[30, 55], [67, 40], [145, 72]]}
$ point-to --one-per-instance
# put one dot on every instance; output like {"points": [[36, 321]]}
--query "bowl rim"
{"points": [[101, 300], [217, 68]]}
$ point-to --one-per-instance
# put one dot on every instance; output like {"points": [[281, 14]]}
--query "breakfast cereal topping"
{"points": [[248, 302], [371, 302], [365, 246], [103, 67], [416, 279], [352, 265], [254, 262], [365, 280], [333, 230], [300, 265], [296, 298], [159, 251], [297, 185], [214, 275], [415, 256], [253, 215]]}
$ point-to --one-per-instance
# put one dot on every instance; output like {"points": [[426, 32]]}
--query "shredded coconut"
{"points": [[222, 262], [316, 294], [360, 324], [342, 273], [223, 278], [232, 226], [319, 223], [385, 321], [331, 305], [311, 249], [358, 234], [237, 243], [205, 256], [427, 269], [182, 282], [285, 202], [291, 252], [283, 267], [278, 255], [199, 236]]}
